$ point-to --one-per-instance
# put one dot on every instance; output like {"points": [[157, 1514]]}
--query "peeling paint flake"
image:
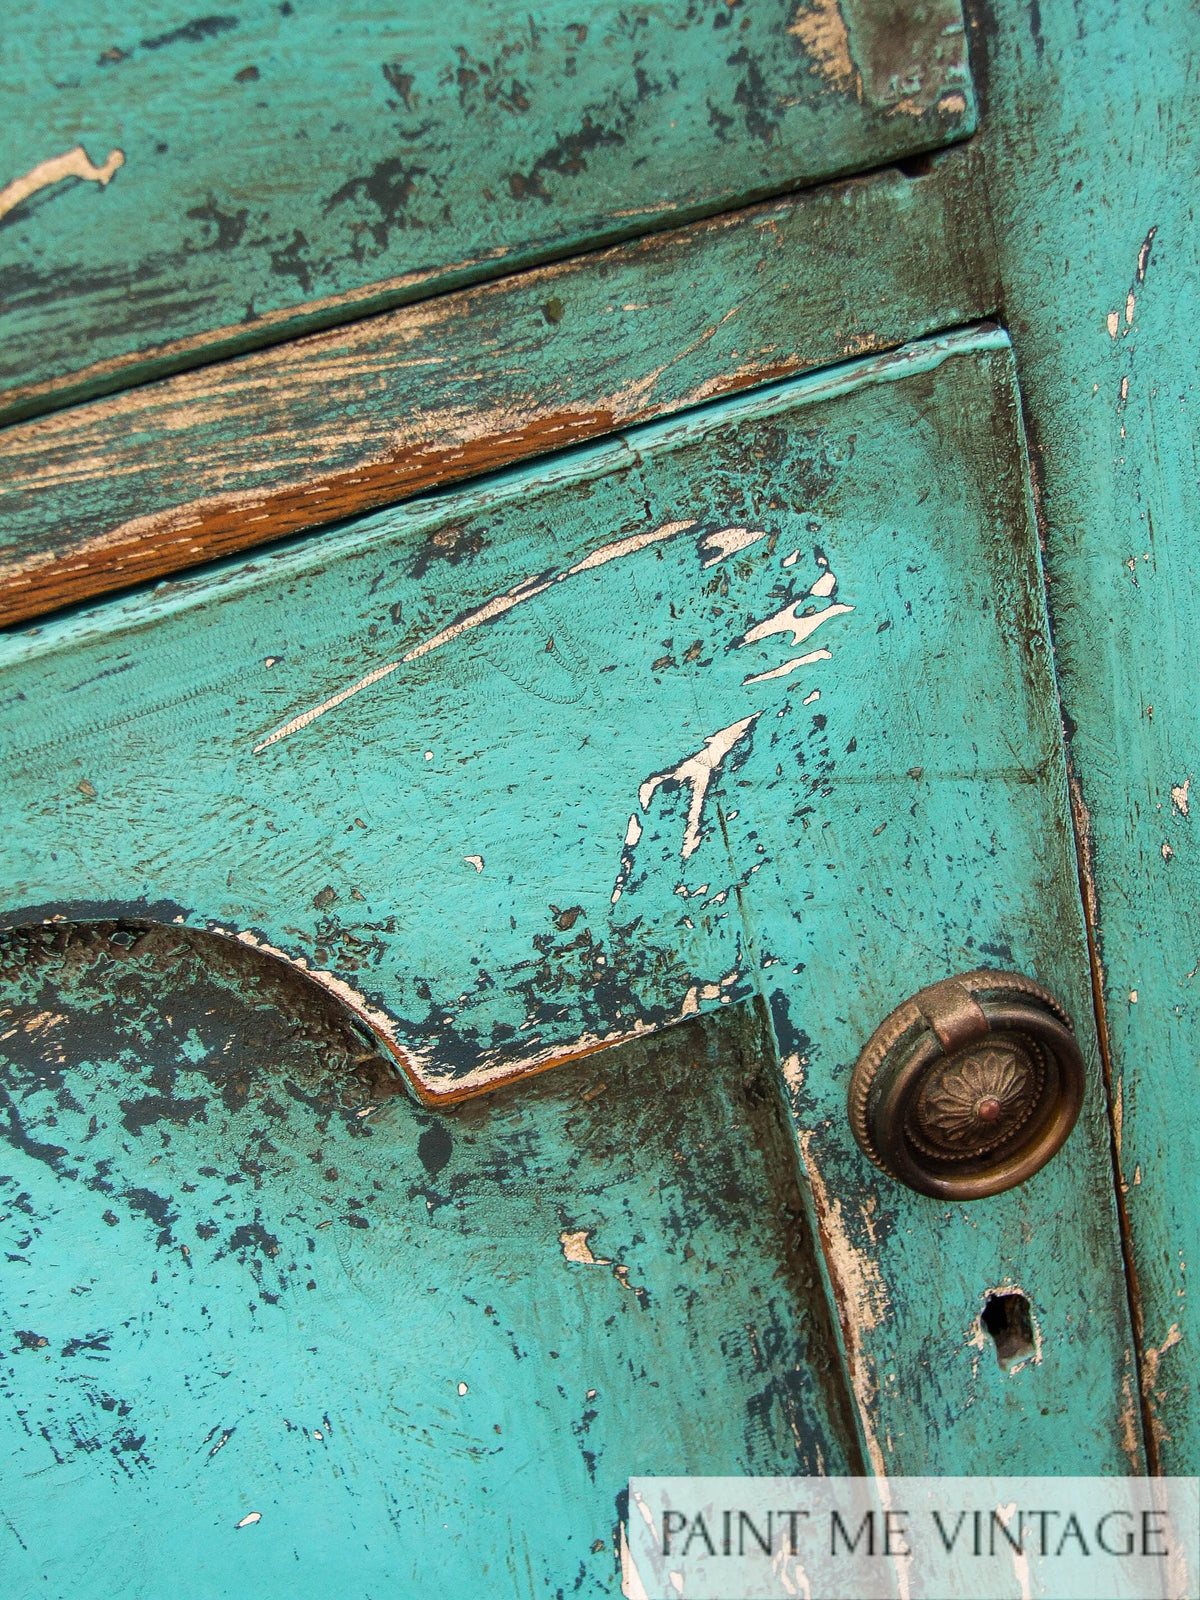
{"points": [[575, 1248], [73, 163]]}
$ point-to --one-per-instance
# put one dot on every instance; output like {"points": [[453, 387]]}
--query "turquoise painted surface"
{"points": [[756, 702], [269, 1331], [1094, 110], [285, 166]]}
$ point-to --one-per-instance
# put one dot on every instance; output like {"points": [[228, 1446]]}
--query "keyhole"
{"points": [[1006, 1317]]}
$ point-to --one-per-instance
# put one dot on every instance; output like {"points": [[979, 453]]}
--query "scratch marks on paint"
{"points": [[527, 589], [73, 163], [697, 772], [714, 547], [859, 1294]]}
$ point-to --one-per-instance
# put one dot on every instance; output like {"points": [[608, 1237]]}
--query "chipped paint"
{"points": [[821, 29], [633, 833], [860, 1295], [716, 547], [73, 163], [1152, 1357], [789, 667], [787, 621], [575, 1248], [1179, 796], [697, 773], [474, 861], [1130, 1418]]}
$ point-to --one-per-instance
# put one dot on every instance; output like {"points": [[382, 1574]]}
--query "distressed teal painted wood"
{"points": [[1095, 109], [756, 702], [171, 474], [275, 1332], [182, 187]]}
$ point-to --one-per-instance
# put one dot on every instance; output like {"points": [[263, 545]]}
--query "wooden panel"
{"points": [[284, 166], [757, 701], [176, 472], [245, 1287], [1101, 286]]}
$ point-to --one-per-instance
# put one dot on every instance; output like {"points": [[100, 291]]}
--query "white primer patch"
{"points": [[786, 621], [697, 772], [575, 1248], [720, 546], [73, 163], [789, 667]]}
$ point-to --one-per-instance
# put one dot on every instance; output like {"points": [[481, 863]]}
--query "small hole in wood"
{"points": [[916, 166], [1006, 1317]]}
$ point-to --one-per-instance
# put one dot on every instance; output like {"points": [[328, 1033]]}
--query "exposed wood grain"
{"points": [[287, 166], [202, 464], [1090, 148], [758, 700]]}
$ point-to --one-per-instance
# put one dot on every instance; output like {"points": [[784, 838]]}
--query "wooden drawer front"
{"points": [[173, 473], [182, 189], [757, 705]]}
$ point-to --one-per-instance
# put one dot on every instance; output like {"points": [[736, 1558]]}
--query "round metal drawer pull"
{"points": [[968, 1088]]}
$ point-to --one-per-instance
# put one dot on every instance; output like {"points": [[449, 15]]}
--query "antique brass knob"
{"points": [[968, 1088]]}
